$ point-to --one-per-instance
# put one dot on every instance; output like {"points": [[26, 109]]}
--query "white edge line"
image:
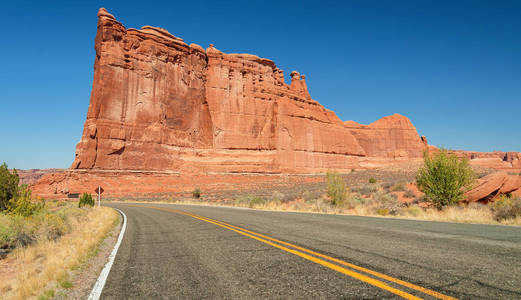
{"points": [[100, 283]]}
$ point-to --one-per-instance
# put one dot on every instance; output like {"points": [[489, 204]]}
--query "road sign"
{"points": [[99, 190]]}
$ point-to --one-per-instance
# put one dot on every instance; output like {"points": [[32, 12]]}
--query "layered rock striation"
{"points": [[158, 103]]}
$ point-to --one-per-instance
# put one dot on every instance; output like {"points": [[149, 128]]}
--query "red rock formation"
{"points": [[393, 136], [487, 186], [158, 103], [493, 185], [511, 184], [507, 161], [155, 184], [33, 175]]}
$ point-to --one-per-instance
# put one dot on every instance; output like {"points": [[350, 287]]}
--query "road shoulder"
{"points": [[84, 278]]}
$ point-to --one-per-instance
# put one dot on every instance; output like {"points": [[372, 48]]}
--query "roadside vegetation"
{"points": [[40, 242], [434, 191], [444, 178]]}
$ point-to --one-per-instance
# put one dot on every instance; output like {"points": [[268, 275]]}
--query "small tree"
{"points": [[336, 188], [196, 193], [21, 204], [8, 185], [444, 178], [86, 199]]}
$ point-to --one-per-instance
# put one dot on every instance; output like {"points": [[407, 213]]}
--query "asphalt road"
{"points": [[170, 253]]}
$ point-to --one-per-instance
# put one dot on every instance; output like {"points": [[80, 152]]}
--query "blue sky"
{"points": [[452, 67]]}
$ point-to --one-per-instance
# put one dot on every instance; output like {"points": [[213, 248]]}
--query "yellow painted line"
{"points": [[319, 261], [368, 271]]}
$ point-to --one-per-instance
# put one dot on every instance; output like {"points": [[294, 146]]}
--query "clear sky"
{"points": [[452, 67]]}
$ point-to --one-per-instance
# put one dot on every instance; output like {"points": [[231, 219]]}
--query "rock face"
{"points": [[393, 137], [493, 185], [158, 103]]}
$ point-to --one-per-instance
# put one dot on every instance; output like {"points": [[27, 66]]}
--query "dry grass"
{"points": [[47, 263], [473, 213]]}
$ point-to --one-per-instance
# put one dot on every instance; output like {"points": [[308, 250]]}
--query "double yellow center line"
{"points": [[320, 259]]}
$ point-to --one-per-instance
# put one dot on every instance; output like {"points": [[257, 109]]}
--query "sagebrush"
{"points": [[336, 188], [506, 208]]}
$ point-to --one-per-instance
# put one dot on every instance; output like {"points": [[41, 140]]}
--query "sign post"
{"points": [[99, 190]]}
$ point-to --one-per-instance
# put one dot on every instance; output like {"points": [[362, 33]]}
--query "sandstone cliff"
{"points": [[393, 136], [158, 103]]}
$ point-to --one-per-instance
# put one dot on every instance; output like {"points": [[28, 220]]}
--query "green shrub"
{"points": [[336, 188], [196, 193], [372, 180], [8, 185], [86, 199], [506, 208], [21, 204], [444, 178]]}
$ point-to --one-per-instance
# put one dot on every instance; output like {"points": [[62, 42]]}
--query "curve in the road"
{"points": [[314, 257], [100, 283]]}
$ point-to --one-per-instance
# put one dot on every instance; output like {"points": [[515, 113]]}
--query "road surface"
{"points": [[203, 252]]}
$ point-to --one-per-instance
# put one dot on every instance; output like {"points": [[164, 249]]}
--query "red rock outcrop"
{"points": [[158, 103], [493, 185], [33, 175], [507, 161], [487, 186], [393, 136]]}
